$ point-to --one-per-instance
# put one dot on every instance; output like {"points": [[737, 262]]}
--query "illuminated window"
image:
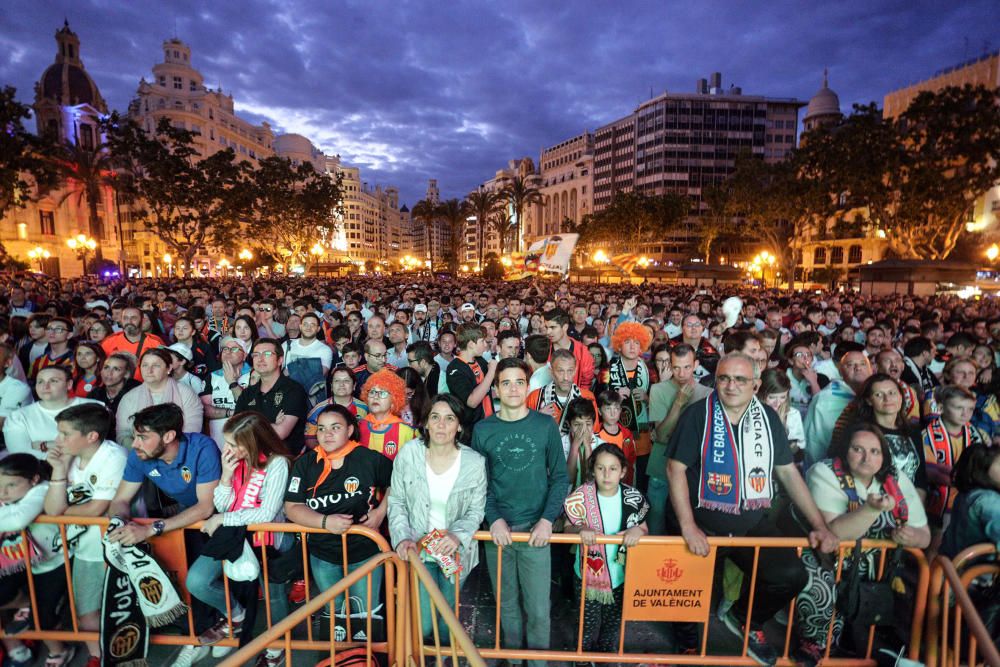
{"points": [[854, 255], [819, 255], [47, 222]]}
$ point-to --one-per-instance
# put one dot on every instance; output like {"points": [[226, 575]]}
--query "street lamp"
{"points": [[245, 255], [169, 261], [82, 244], [41, 254], [600, 257], [991, 253], [317, 251], [224, 265]]}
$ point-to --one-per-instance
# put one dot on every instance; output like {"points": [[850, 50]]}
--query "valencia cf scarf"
{"points": [[736, 463], [548, 396], [946, 453], [619, 377], [137, 594], [900, 511]]}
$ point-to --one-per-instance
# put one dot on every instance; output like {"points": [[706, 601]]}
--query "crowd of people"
{"points": [[428, 411]]}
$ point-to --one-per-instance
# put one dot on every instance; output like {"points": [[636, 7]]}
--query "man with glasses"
{"points": [[805, 381], [275, 395], [223, 386], [131, 338], [826, 407], [267, 327], [420, 357], [725, 456], [58, 351], [692, 329], [375, 360]]}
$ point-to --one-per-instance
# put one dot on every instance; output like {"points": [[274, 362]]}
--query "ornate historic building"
{"points": [[68, 106]]}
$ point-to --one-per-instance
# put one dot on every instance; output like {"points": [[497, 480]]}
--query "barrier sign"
{"points": [[667, 583]]}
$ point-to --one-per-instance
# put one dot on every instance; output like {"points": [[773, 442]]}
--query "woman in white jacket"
{"points": [[438, 484]]}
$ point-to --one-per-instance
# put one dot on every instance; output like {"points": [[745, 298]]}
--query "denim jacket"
{"points": [[409, 500], [975, 518]]}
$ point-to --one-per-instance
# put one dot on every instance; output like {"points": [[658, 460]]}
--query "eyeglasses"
{"points": [[411, 360], [233, 349], [378, 393], [693, 325], [267, 354], [56, 329], [738, 380], [373, 355], [266, 309]]}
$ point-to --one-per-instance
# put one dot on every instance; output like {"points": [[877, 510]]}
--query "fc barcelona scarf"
{"points": [[736, 465], [137, 594]]}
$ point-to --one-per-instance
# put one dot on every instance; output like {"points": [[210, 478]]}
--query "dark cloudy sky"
{"points": [[452, 90]]}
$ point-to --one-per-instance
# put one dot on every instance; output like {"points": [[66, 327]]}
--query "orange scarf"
{"points": [[379, 425], [329, 457]]}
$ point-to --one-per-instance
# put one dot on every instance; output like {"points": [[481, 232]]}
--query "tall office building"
{"points": [[567, 171], [684, 142]]}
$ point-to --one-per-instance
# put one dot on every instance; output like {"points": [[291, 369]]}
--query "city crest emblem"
{"points": [[351, 484], [186, 474], [669, 572]]}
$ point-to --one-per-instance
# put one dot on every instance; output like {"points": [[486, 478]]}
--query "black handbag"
{"points": [[865, 603]]}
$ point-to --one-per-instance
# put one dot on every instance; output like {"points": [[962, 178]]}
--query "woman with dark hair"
{"points": [[775, 388], [251, 490], [202, 355], [332, 488], [880, 402], [976, 512], [99, 330], [604, 505], [416, 396], [602, 366], [438, 493], [245, 331], [860, 495], [89, 359]]}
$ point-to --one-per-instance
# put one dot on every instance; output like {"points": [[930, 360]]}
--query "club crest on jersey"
{"points": [[390, 449], [351, 484], [186, 474]]}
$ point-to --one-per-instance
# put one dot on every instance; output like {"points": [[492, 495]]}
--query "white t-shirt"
{"points": [[193, 381], [21, 514], [14, 394], [222, 398], [34, 423], [440, 488], [315, 350], [98, 481], [831, 498]]}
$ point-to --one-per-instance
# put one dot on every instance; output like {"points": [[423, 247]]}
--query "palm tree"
{"points": [[500, 223], [454, 213], [426, 212], [520, 194], [482, 203], [86, 171]]}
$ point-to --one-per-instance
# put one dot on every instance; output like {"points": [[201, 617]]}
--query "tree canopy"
{"points": [[633, 220]]}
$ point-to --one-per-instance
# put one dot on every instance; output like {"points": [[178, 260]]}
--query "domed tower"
{"points": [[68, 104], [823, 109]]}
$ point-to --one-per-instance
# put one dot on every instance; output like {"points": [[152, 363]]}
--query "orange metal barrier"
{"points": [[179, 571], [703, 657], [948, 624]]}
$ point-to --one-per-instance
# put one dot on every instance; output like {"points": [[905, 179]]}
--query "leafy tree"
{"points": [[482, 204], [633, 220], [191, 204], [294, 207], [426, 212], [454, 214], [918, 176], [718, 223], [23, 167], [493, 269], [521, 194]]}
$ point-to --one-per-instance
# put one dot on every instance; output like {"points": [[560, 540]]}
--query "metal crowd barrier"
{"points": [[179, 572], [703, 656], [956, 634]]}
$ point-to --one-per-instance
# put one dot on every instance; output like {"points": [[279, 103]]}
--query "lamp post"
{"points": [[39, 254], [224, 265], [169, 261], [600, 257], [991, 253], [317, 251], [83, 245]]}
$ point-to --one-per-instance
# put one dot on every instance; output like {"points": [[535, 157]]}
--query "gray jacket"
{"points": [[409, 500]]}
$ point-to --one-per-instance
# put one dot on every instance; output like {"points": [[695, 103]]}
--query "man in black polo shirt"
{"points": [[279, 398]]}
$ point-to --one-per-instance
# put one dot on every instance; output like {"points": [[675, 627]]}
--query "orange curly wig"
{"points": [[391, 382], [631, 331]]}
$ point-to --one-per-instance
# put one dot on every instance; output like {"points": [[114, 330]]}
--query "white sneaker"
{"points": [[221, 651], [190, 655]]}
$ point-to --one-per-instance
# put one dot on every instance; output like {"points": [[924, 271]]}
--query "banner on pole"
{"points": [[551, 253]]}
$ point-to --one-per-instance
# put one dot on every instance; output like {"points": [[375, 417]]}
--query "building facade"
{"points": [[531, 225], [68, 107], [567, 171], [682, 143]]}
